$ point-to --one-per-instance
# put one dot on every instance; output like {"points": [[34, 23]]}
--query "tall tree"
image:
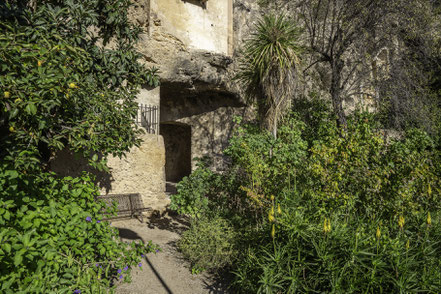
{"points": [[340, 33], [69, 75], [269, 68]]}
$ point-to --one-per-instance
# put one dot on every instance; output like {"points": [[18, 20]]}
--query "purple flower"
{"points": [[88, 219], [119, 271], [98, 221], [96, 264], [77, 291], [140, 264], [157, 250], [126, 268], [142, 255], [120, 277], [101, 266]]}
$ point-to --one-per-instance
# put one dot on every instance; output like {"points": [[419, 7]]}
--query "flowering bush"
{"points": [[349, 212]]}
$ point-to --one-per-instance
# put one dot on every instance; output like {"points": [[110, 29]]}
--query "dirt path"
{"points": [[166, 272]]}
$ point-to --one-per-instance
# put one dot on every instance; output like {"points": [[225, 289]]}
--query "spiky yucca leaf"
{"points": [[269, 68]]}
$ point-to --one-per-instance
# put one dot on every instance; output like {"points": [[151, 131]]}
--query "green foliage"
{"points": [[209, 243], [349, 258], [318, 210], [356, 221], [59, 88], [361, 171], [268, 69], [53, 237], [192, 192], [267, 163], [69, 75]]}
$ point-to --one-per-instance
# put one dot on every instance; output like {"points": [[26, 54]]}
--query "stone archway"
{"points": [[177, 141]]}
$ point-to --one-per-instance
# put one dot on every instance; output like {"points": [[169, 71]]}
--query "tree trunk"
{"points": [[336, 93]]}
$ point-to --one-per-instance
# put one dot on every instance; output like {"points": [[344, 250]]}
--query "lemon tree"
{"points": [[69, 76]]}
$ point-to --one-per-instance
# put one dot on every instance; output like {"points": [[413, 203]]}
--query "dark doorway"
{"points": [[177, 140]]}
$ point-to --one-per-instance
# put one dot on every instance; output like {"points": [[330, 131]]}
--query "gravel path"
{"points": [[165, 272]]}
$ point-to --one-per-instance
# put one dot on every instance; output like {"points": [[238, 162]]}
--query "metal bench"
{"points": [[128, 205]]}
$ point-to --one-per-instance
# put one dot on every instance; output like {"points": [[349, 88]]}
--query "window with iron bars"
{"points": [[148, 118]]}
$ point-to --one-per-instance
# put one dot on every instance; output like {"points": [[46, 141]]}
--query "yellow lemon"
{"points": [[72, 85], [7, 94], [11, 129], [39, 63]]}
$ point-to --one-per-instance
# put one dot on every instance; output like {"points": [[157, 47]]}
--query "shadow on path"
{"points": [[158, 276], [169, 221], [132, 235]]}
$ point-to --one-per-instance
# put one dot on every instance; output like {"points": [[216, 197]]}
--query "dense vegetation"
{"points": [[69, 76], [333, 203], [324, 212], [316, 200]]}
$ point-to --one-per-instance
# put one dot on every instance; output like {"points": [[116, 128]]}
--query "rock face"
{"points": [[141, 171], [194, 44]]}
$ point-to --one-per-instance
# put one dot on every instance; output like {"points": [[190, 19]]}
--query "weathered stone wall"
{"points": [[149, 96], [197, 86], [203, 26], [141, 171], [210, 133], [210, 115]]}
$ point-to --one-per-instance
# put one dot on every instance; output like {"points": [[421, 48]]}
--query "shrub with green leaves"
{"points": [[54, 239], [209, 243], [332, 211], [364, 217], [69, 76], [193, 191], [267, 165], [342, 254]]}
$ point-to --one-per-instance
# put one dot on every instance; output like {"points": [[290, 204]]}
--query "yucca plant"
{"points": [[269, 68]]}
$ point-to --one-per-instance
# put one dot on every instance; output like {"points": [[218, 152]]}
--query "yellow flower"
{"points": [[11, 129], [7, 94], [39, 63], [272, 197], [407, 245], [327, 225], [73, 86], [429, 219], [17, 100], [429, 190], [271, 217], [279, 210], [401, 222], [273, 231], [378, 233]]}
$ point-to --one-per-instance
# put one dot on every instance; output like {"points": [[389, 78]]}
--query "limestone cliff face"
{"points": [[195, 45]]}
